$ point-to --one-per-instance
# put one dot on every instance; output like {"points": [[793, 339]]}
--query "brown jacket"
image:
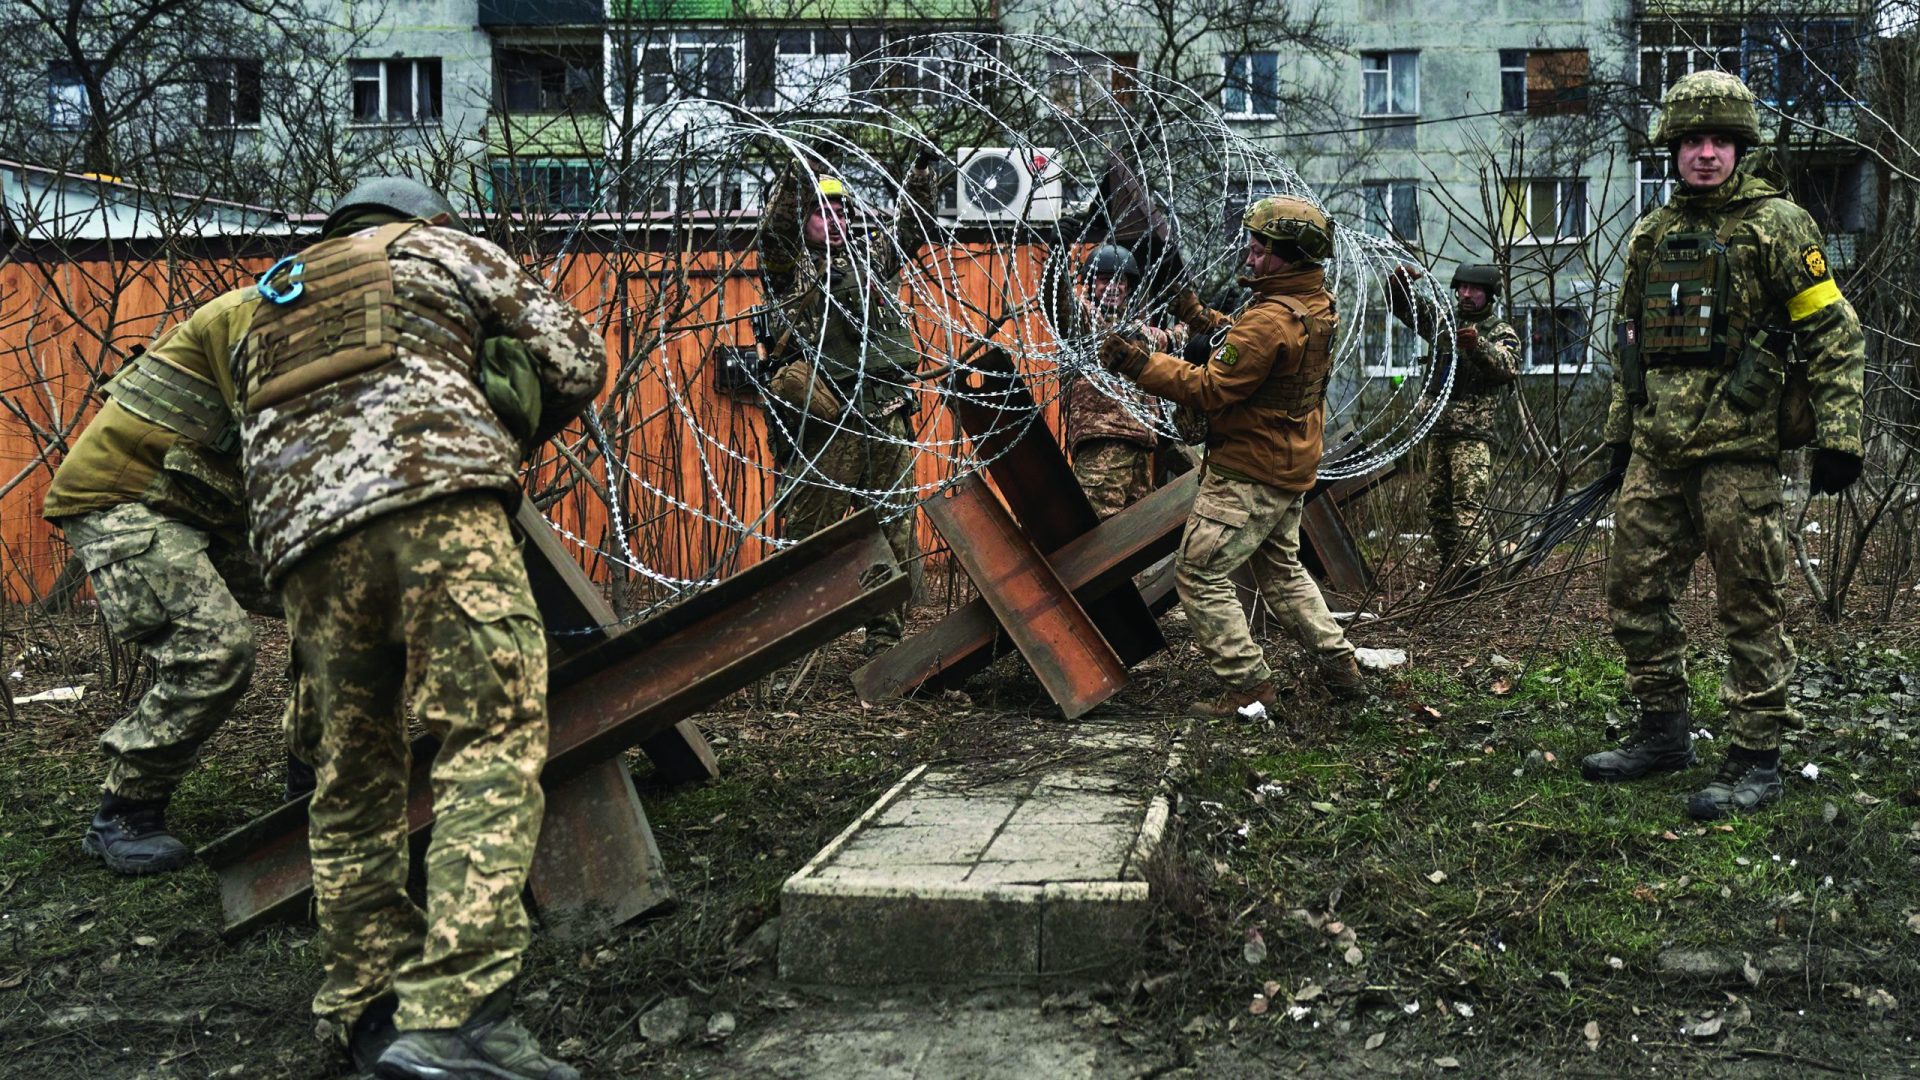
{"points": [[1246, 437]]}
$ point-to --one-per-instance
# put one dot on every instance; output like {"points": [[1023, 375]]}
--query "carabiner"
{"points": [[274, 295]]}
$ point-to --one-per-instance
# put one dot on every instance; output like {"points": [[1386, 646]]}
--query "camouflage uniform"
{"points": [[1705, 432], [149, 498], [843, 400], [1460, 471], [375, 468], [1115, 473]]}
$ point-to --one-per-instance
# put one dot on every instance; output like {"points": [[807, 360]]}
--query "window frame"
{"points": [[72, 111], [512, 72], [1402, 348], [1241, 76], [1080, 72], [704, 43], [1387, 59], [518, 170], [1526, 215], [224, 73], [1509, 69], [416, 68], [1528, 317], [1378, 204]]}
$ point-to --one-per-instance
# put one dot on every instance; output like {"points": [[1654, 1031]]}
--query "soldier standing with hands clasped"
{"points": [[1722, 284]]}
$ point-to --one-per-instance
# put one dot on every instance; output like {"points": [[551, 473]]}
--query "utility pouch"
{"points": [[1633, 374], [1755, 374]]}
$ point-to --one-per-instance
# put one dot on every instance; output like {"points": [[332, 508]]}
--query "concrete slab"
{"points": [[968, 872]]}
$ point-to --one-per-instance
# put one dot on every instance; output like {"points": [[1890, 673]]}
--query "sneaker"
{"points": [[1662, 744], [1249, 704], [130, 836], [491, 1045], [1747, 781]]}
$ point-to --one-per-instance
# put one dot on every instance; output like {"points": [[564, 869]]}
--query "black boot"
{"points": [[1663, 744], [1748, 780], [131, 837], [490, 1045], [372, 1032], [300, 780]]}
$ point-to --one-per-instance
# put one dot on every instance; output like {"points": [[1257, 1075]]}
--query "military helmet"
{"points": [[1112, 260], [1292, 220], [1708, 102], [1481, 274], [400, 194]]}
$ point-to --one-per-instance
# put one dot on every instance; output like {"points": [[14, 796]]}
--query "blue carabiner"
{"points": [[293, 277]]}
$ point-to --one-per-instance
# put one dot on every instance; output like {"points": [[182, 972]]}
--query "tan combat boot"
{"points": [[1343, 679], [1250, 704]]}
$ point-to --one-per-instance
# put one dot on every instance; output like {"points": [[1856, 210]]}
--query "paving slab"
{"points": [[996, 871]]}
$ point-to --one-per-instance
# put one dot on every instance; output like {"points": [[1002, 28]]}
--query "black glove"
{"points": [[1621, 453], [1834, 471]]}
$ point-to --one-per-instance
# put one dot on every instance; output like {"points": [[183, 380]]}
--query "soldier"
{"points": [[844, 398], [1111, 447], [1484, 354], [389, 389], [1722, 284], [1263, 394], [150, 499]]}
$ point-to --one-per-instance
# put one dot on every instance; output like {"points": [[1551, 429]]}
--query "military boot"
{"points": [[1251, 704], [372, 1032], [300, 780], [1748, 780], [1663, 744], [131, 837], [1343, 679], [491, 1045]]}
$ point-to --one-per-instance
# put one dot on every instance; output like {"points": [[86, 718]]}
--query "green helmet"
{"points": [[1290, 219], [1112, 260], [1481, 274], [399, 194], [1708, 102]]}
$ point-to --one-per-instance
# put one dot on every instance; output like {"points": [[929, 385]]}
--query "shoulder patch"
{"points": [[1814, 261], [1228, 355]]}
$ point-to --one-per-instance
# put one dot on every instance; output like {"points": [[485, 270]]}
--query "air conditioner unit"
{"points": [[1008, 184]]}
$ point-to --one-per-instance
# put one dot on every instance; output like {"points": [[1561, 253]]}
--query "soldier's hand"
{"points": [[1466, 339], [1404, 273], [1834, 471], [1622, 452], [1123, 355]]}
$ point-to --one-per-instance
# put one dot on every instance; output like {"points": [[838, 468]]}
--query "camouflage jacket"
{"points": [[123, 457], [1480, 376], [1779, 280], [841, 306], [326, 462]]}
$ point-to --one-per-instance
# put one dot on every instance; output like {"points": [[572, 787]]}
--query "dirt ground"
{"points": [[1417, 886]]}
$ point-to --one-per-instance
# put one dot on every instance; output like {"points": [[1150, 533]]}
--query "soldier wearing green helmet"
{"points": [[1263, 391], [1724, 285], [1483, 354]]}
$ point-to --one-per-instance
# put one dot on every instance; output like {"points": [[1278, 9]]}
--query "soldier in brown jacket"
{"points": [[1263, 393]]}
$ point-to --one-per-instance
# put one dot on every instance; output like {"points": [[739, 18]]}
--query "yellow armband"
{"points": [[1812, 299]]}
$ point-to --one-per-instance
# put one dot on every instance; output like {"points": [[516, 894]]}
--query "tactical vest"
{"points": [[176, 399], [347, 319], [1686, 300], [1300, 391]]}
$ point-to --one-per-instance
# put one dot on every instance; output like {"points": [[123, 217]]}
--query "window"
{"points": [[557, 80], [395, 91], [1252, 86], [1388, 345], [1555, 339], [67, 105], [690, 64], [1091, 83], [233, 92], [1390, 83], [1393, 208], [920, 72], [810, 69], [1543, 82], [1656, 181], [1544, 211], [1792, 62], [544, 186], [701, 185], [1669, 50]]}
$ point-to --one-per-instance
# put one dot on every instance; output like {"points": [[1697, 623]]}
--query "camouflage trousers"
{"points": [[424, 610], [1663, 521], [851, 458], [1460, 472], [1239, 523], [1114, 473], [162, 586]]}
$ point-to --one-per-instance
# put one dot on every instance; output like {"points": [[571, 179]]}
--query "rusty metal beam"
{"points": [[613, 695], [1060, 643], [1094, 565], [1006, 428]]}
